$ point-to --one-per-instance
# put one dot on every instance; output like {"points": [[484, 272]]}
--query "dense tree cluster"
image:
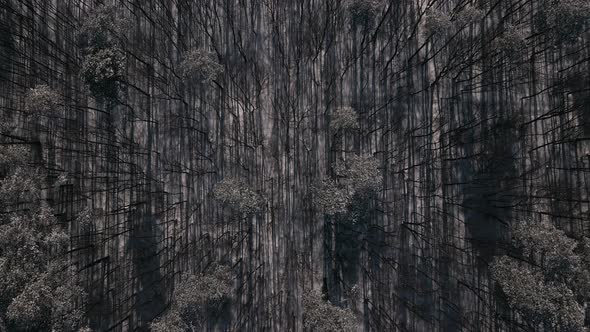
{"points": [[39, 288], [548, 281]]}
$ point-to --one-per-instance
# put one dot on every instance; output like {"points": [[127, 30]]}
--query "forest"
{"points": [[294, 165]]}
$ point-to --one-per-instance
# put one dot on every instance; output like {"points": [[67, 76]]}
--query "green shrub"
{"points": [[39, 290]]}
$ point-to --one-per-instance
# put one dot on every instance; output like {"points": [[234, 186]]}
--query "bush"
{"points": [[565, 19], [344, 118], [359, 173], [200, 65], [193, 297], [103, 71], [323, 316], [438, 22], [511, 40], [238, 195], [331, 198], [363, 12], [99, 29], [43, 100], [13, 155], [469, 15]]}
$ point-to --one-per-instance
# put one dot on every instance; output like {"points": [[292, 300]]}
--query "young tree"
{"points": [[103, 67], [103, 71], [193, 298], [549, 284]]}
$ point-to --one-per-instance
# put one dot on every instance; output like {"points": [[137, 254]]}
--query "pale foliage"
{"points": [[200, 65], [344, 118], [331, 198], [438, 22], [11, 155], [468, 15], [103, 70], [323, 316], [511, 40], [238, 195], [38, 289], [553, 287], [565, 19], [357, 175], [100, 28], [363, 12], [42, 100], [192, 298]]}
